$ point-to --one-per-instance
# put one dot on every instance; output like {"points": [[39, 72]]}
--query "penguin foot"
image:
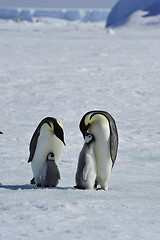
{"points": [[95, 185], [47, 186], [39, 185], [79, 187], [32, 181], [102, 189]]}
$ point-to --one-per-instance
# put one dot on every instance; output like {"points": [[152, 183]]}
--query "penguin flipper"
{"points": [[58, 174], [114, 136], [33, 144]]}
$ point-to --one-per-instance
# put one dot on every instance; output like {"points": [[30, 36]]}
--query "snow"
{"points": [[124, 8], [138, 20], [64, 69]]}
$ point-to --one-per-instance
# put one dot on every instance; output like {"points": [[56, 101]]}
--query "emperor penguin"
{"points": [[48, 137], [1, 132], [50, 175], [86, 169], [102, 125]]}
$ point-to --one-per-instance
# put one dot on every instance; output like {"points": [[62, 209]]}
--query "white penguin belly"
{"points": [[101, 131], [46, 144], [104, 165]]}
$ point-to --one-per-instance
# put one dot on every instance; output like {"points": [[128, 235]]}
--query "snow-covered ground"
{"points": [[64, 69]]}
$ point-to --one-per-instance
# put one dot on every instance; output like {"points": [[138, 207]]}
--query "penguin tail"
{"points": [[29, 160]]}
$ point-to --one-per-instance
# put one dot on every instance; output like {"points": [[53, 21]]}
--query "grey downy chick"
{"points": [[86, 169], [50, 175]]}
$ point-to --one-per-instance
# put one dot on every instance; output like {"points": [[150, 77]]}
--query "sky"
{"points": [[58, 4]]}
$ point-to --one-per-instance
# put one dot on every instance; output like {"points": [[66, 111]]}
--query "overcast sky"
{"points": [[58, 3]]}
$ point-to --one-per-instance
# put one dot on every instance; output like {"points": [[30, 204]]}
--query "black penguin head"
{"points": [[90, 118], [50, 157], [1, 132], [58, 130], [55, 126], [83, 126], [86, 121], [89, 138]]}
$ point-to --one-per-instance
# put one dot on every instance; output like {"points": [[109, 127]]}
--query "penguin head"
{"points": [[58, 130], [89, 138], [1, 132], [50, 157], [84, 125], [54, 126], [89, 119]]}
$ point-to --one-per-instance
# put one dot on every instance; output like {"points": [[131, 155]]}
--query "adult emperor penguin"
{"points": [[102, 125], [50, 174], [86, 169], [48, 137]]}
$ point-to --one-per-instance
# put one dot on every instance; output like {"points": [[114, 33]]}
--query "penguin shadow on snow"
{"points": [[30, 187], [17, 187]]}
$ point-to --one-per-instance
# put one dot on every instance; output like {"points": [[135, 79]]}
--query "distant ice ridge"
{"points": [[123, 9], [70, 15]]}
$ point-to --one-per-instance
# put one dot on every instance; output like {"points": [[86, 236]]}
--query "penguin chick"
{"points": [[50, 175], [86, 169]]}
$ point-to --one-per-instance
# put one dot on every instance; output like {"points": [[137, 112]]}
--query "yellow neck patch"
{"points": [[60, 124]]}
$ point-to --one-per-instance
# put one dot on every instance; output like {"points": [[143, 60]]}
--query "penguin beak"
{"points": [[1, 132]]}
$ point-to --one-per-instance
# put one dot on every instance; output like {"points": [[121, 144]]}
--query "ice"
{"points": [[83, 15], [64, 69]]}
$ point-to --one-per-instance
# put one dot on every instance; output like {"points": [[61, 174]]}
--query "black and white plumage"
{"points": [[102, 125], [86, 169], [50, 175], [48, 137], [1, 132]]}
